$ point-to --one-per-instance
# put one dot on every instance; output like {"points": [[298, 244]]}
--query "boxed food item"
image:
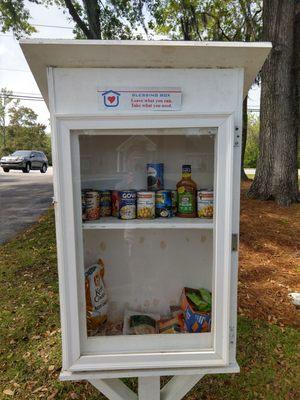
{"points": [[196, 305], [96, 297]]}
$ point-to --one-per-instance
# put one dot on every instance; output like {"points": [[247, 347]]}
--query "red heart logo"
{"points": [[111, 99]]}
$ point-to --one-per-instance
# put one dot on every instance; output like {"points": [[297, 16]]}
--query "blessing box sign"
{"points": [[140, 99]]}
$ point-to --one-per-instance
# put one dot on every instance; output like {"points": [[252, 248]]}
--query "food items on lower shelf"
{"points": [[146, 205], [142, 325], [139, 323], [196, 305], [170, 325], [127, 204], [96, 297], [155, 176], [163, 204], [205, 203]]}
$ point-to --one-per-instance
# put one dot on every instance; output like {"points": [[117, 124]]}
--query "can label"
{"points": [[174, 202], [146, 205], [205, 203], [155, 176], [115, 203], [163, 203], [186, 200], [127, 204], [92, 200], [105, 203]]}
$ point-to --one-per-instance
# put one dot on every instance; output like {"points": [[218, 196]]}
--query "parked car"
{"points": [[25, 160]]}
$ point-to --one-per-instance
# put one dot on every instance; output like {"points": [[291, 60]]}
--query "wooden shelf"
{"points": [[158, 223]]}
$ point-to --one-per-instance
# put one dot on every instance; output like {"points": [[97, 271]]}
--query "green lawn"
{"points": [[30, 353]]}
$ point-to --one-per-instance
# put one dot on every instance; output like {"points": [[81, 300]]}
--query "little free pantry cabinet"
{"points": [[116, 106]]}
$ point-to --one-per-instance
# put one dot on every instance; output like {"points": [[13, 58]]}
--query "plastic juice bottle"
{"points": [[187, 191]]}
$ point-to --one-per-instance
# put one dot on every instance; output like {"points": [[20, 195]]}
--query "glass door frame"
{"points": [[70, 252]]}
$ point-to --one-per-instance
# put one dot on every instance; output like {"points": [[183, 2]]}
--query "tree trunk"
{"points": [[244, 177], [276, 174], [297, 69]]}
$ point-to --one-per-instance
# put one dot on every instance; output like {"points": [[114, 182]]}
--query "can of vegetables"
{"points": [[146, 205], [205, 203]]}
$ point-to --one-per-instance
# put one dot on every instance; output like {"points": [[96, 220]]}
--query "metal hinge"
{"points": [[234, 242]]}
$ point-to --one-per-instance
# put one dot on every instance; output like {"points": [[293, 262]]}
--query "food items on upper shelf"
{"points": [[83, 206], [115, 203], [131, 204], [105, 203], [163, 203], [96, 297], [196, 305], [127, 204], [205, 203], [146, 205], [186, 189], [155, 176], [92, 200], [174, 202]]}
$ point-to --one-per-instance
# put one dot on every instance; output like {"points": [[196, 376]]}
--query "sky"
{"points": [[52, 23]]}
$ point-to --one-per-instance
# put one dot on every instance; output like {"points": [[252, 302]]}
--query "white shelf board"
{"points": [[157, 223]]}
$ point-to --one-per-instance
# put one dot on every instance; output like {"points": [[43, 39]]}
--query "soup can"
{"points": [[163, 203], [174, 202], [155, 176], [115, 203], [92, 200], [146, 205], [127, 204], [205, 203], [105, 203]]}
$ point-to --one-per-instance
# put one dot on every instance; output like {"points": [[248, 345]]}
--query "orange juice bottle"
{"points": [[187, 191]]}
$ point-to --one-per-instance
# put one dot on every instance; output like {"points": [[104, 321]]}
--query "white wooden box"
{"points": [[147, 262]]}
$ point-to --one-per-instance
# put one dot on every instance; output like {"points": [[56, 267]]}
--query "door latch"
{"points": [[234, 242]]}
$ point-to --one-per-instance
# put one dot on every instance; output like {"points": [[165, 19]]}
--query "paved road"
{"points": [[23, 198]]}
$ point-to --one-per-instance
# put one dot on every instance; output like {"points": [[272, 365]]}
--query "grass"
{"points": [[30, 352]]}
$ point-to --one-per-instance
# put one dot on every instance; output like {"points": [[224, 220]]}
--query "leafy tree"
{"points": [[14, 16], [94, 19], [225, 20], [5, 100], [252, 147], [25, 133]]}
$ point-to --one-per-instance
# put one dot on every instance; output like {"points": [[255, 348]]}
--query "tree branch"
{"points": [[76, 17]]}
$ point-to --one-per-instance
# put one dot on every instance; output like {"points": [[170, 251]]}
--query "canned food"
{"points": [[205, 203], [105, 203], [127, 204], [146, 205], [92, 200], [163, 203], [174, 202], [115, 203], [155, 176]]}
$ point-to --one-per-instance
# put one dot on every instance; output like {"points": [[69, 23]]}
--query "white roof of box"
{"points": [[42, 53]]}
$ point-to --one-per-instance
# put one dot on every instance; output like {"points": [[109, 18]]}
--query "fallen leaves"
{"points": [[8, 392]]}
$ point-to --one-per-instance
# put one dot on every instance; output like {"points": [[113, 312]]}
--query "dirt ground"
{"points": [[269, 260]]}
